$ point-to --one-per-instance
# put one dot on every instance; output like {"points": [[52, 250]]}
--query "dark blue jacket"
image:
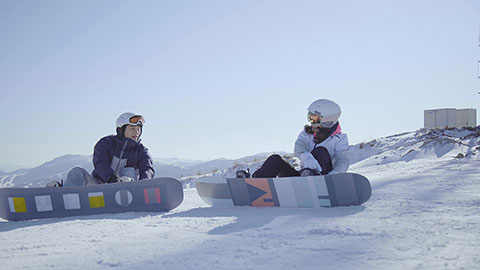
{"points": [[136, 154]]}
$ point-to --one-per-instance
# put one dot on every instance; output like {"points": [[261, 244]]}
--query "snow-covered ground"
{"points": [[424, 213]]}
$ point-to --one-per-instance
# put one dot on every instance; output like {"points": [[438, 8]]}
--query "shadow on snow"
{"points": [[247, 217]]}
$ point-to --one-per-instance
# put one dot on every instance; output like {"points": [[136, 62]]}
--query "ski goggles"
{"points": [[136, 120], [316, 120]]}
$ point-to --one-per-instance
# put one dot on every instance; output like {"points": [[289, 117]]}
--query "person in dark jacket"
{"points": [[116, 158]]}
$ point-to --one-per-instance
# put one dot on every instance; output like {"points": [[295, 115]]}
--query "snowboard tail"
{"points": [[154, 195], [312, 191]]}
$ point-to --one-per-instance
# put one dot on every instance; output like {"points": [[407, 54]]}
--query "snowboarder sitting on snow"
{"points": [[321, 146], [116, 158]]}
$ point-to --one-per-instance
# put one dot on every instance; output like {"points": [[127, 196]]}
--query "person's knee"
{"points": [[76, 171], [75, 177], [274, 158], [323, 158], [320, 151], [129, 172]]}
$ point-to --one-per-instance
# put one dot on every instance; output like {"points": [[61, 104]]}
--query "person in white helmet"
{"points": [[116, 158], [321, 146]]}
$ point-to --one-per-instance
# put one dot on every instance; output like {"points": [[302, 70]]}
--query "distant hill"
{"points": [[55, 169], [178, 162]]}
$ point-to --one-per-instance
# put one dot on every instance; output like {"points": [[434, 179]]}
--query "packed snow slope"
{"points": [[424, 213]]}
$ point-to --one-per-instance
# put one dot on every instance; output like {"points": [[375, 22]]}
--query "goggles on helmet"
{"points": [[136, 120], [316, 120]]}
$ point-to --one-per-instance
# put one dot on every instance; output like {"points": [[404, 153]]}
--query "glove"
{"points": [[112, 179], [125, 179], [308, 161]]}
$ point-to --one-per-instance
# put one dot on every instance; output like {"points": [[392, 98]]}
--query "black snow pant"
{"points": [[275, 165]]}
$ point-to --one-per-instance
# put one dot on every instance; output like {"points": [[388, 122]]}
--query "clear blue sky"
{"points": [[226, 78]]}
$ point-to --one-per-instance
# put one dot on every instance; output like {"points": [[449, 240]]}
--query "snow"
{"points": [[424, 213]]}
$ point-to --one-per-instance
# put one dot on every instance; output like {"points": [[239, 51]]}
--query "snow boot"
{"points": [[55, 184], [243, 174], [308, 172]]}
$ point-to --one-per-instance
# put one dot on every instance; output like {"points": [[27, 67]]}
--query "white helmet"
{"points": [[324, 112], [129, 118]]}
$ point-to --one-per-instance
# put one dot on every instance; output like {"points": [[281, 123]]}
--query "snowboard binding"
{"points": [[308, 172], [243, 173], [55, 184]]}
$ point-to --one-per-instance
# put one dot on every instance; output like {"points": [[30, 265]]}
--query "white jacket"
{"points": [[336, 145]]}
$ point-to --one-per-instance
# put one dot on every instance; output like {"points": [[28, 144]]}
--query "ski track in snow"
{"points": [[422, 215]]}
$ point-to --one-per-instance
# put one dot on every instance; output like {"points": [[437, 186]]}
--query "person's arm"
{"points": [[145, 165], [302, 151], [341, 161], [101, 161]]}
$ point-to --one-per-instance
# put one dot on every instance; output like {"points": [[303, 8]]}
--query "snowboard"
{"points": [[342, 189], [153, 195]]}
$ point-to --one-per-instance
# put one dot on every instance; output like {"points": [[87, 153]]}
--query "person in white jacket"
{"points": [[321, 146]]}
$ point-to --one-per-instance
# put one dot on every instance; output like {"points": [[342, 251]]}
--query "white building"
{"points": [[450, 117]]}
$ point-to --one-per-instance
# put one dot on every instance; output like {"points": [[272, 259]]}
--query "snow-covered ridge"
{"points": [[421, 144], [448, 143]]}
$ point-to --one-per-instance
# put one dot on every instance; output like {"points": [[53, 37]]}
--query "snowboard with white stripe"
{"points": [[154, 195], [342, 189]]}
